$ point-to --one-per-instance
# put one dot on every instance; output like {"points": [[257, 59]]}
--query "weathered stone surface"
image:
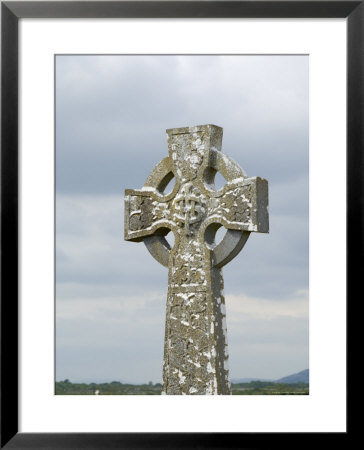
{"points": [[195, 349]]}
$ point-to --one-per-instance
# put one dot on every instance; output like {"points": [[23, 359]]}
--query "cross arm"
{"points": [[146, 214], [242, 205]]}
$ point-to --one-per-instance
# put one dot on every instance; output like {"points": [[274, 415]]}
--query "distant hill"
{"points": [[300, 377]]}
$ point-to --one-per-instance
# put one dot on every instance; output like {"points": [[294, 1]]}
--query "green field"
{"points": [[116, 388]]}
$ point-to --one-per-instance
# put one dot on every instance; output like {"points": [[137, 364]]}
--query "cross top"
{"points": [[195, 351]]}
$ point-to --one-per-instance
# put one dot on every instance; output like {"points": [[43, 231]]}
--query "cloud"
{"points": [[268, 338], [120, 310], [112, 112], [243, 307], [91, 249], [111, 338]]}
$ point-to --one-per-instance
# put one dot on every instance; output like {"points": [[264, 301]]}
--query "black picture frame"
{"points": [[11, 12]]}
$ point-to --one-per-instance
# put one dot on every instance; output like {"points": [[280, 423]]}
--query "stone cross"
{"points": [[195, 348]]}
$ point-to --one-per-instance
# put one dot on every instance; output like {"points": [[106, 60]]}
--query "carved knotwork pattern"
{"points": [[189, 208]]}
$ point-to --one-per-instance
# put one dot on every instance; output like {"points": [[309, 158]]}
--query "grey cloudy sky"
{"points": [[111, 117]]}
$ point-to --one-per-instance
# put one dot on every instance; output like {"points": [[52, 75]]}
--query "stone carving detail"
{"points": [[140, 212], [188, 265], [188, 343], [188, 150], [189, 208], [160, 211], [239, 204], [235, 205], [195, 350]]}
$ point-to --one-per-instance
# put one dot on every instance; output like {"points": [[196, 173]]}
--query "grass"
{"points": [[116, 388]]}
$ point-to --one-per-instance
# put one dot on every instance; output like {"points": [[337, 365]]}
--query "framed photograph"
{"points": [[88, 91]]}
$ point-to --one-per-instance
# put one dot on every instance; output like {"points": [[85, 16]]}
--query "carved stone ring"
{"points": [[233, 241]]}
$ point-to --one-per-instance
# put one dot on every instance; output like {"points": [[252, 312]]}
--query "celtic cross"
{"points": [[195, 348]]}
